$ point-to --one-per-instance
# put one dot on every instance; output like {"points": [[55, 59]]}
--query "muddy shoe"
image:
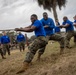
{"points": [[24, 68]]}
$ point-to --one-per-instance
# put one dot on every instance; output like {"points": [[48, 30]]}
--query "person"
{"points": [[74, 23], [5, 41], [21, 41], [38, 44], [1, 51], [26, 40], [49, 26], [57, 29], [68, 25]]}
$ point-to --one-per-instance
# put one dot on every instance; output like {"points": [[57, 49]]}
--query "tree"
{"points": [[52, 4]]}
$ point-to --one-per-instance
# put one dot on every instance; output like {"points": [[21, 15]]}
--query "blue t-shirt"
{"points": [[57, 29], [74, 21], [5, 39], [0, 40], [50, 23], [20, 38], [70, 27], [39, 31]]}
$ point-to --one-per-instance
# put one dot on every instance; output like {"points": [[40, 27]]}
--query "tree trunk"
{"points": [[55, 13]]}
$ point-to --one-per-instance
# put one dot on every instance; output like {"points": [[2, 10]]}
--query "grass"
{"points": [[51, 62]]}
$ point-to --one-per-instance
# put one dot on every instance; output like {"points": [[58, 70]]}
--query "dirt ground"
{"points": [[51, 62]]}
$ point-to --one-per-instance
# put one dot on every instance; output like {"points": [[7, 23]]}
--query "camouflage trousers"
{"points": [[38, 44], [59, 38], [1, 52], [58, 33], [6, 48], [22, 45], [74, 39], [69, 35]]}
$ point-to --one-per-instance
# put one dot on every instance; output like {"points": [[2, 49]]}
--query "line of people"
{"points": [[70, 32], [44, 31], [5, 43]]}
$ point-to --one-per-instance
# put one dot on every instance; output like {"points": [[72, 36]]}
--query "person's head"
{"points": [[57, 20], [65, 18], [74, 17], [19, 32], [33, 17], [25, 34], [4, 33], [45, 15]]}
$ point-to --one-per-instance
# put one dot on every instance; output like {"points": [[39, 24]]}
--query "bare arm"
{"points": [[26, 29], [64, 26], [74, 24], [28, 26]]}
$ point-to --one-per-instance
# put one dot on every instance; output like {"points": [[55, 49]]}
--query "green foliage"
{"points": [[48, 4]]}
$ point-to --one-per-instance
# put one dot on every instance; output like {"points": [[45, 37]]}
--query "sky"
{"points": [[16, 13]]}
